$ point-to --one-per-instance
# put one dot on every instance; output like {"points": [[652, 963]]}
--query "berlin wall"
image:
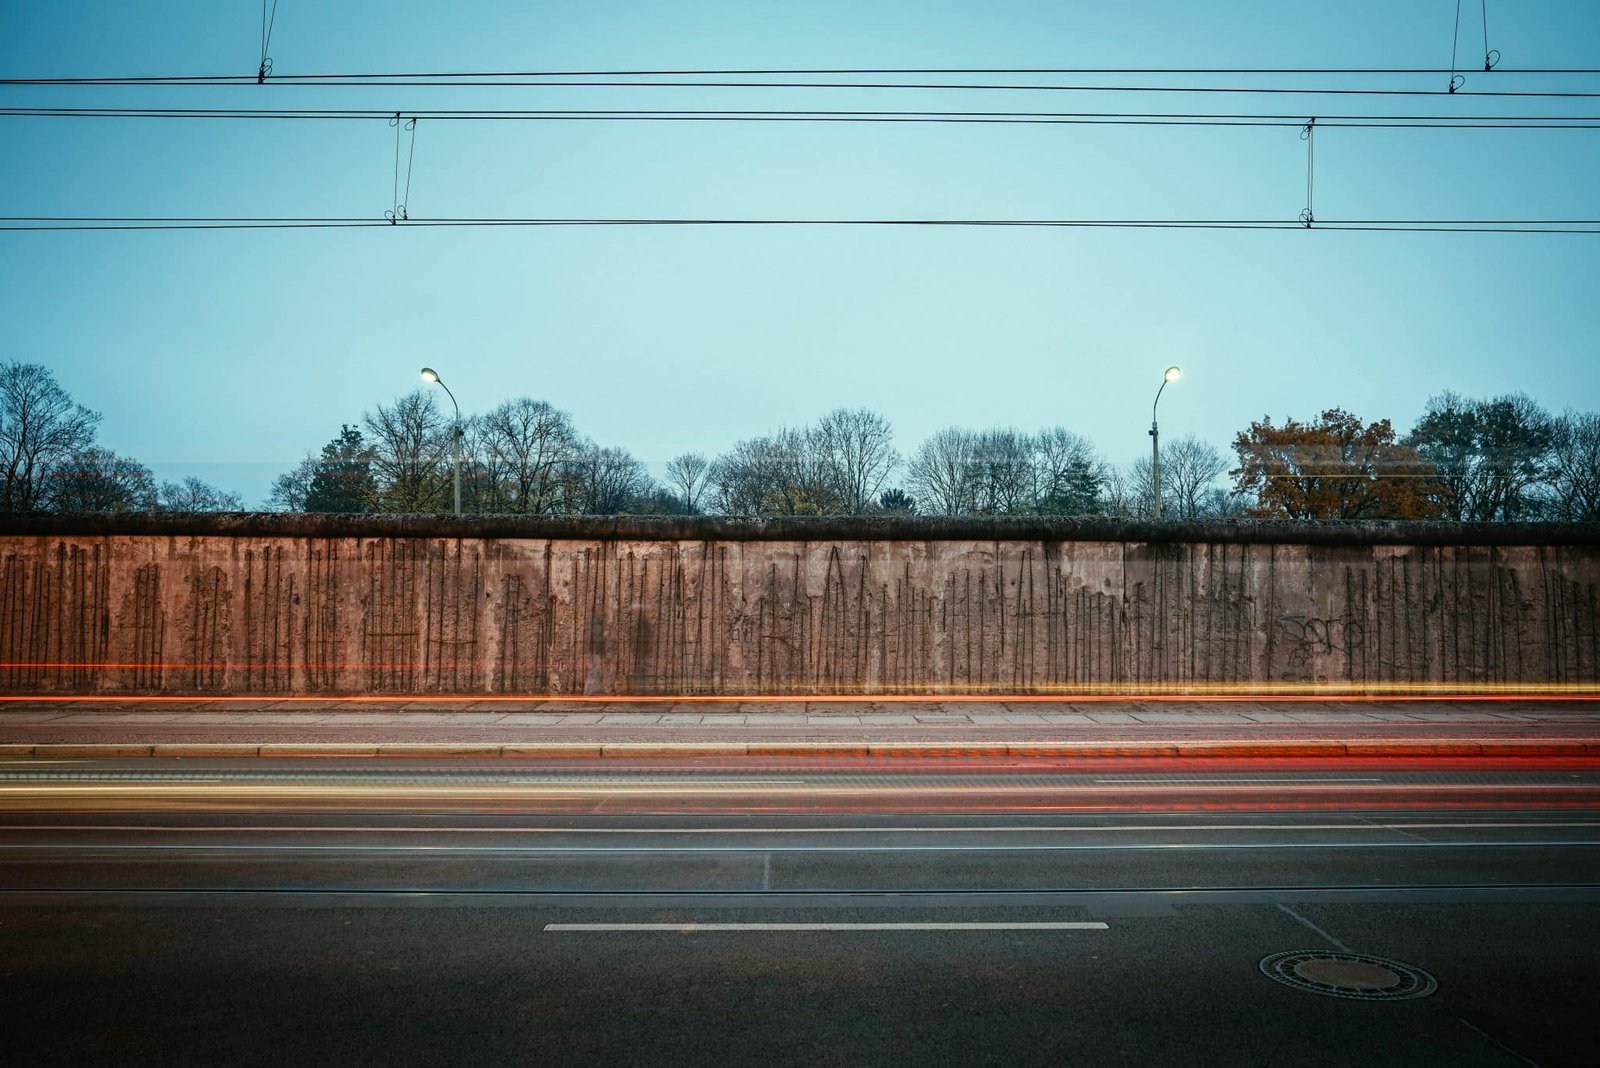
{"points": [[296, 605]]}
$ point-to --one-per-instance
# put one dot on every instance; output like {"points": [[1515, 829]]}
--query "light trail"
{"points": [[1274, 692], [912, 117], [966, 895], [695, 928], [701, 850], [811, 800], [928, 804], [1170, 780], [816, 787], [1142, 828]]}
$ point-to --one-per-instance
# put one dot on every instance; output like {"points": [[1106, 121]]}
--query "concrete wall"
{"points": [[253, 604]]}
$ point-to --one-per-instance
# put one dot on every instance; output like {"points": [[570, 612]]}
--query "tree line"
{"points": [[1501, 459], [50, 461]]}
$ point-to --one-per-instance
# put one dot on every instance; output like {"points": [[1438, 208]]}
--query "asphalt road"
{"points": [[793, 912]]}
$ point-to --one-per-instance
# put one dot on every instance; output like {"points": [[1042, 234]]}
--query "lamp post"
{"points": [[1172, 374], [430, 375]]}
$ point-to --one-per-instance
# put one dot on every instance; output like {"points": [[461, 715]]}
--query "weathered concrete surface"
{"points": [[797, 528], [351, 605]]}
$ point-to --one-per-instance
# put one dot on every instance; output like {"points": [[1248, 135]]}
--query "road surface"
{"points": [[796, 912]]}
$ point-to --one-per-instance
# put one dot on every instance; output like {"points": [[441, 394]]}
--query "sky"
{"points": [[230, 355]]}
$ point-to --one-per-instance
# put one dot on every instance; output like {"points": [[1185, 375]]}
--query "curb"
{"points": [[1366, 748]]}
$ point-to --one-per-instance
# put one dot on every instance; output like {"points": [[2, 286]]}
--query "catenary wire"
{"points": [[1483, 8], [411, 156], [971, 87], [267, 23], [709, 72], [1455, 37], [62, 223], [1461, 122]]}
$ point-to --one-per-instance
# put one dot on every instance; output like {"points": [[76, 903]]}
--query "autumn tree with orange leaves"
{"points": [[1334, 468]]}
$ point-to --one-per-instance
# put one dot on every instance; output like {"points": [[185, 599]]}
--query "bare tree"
{"points": [[1003, 471], [1488, 455], [1141, 487], [1222, 503], [94, 479], [1190, 469], [855, 450], [411, 450], [779, 475], [943, 474], [526, 444], [749, 477], [1574, 486], [738, 478], [1004, 462], [197, 495], [1068, 473], [41, 428], [291, 489], [687, 475], [481, 489], [1119, 494], [606, 481]]}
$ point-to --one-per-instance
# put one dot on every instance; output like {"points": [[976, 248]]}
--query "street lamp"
{"points": [[430, 375], [1172, 374]]}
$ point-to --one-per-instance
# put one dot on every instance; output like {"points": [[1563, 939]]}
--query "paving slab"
{"points": [[1148, 727], [139, 717]]}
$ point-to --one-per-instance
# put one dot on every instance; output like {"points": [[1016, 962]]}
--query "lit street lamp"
{"points": [[1172, 374], [430, 375]]}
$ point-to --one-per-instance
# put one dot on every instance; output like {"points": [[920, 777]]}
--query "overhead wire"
{"points": [[709, 72], [972, 87], [1309, 134], [1491, 56], [399, 214], [1110, 118], [1456, 80], [411, 156], [59, 223], [267, 23]]}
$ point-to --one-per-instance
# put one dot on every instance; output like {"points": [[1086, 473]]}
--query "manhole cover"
{"points": [[1348, 975]]}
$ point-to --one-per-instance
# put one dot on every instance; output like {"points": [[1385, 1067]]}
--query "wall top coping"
{"points": [[842, 528]]}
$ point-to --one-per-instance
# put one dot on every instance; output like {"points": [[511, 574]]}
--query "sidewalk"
{"points": [[256, 727]]}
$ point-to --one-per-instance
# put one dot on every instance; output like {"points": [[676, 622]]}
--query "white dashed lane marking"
{"points": [[693, 928]]}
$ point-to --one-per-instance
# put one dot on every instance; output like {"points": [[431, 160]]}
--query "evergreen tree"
{"points": [[342, 479]]}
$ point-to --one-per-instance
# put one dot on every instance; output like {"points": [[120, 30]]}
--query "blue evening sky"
{"points": [[231, 354]]}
